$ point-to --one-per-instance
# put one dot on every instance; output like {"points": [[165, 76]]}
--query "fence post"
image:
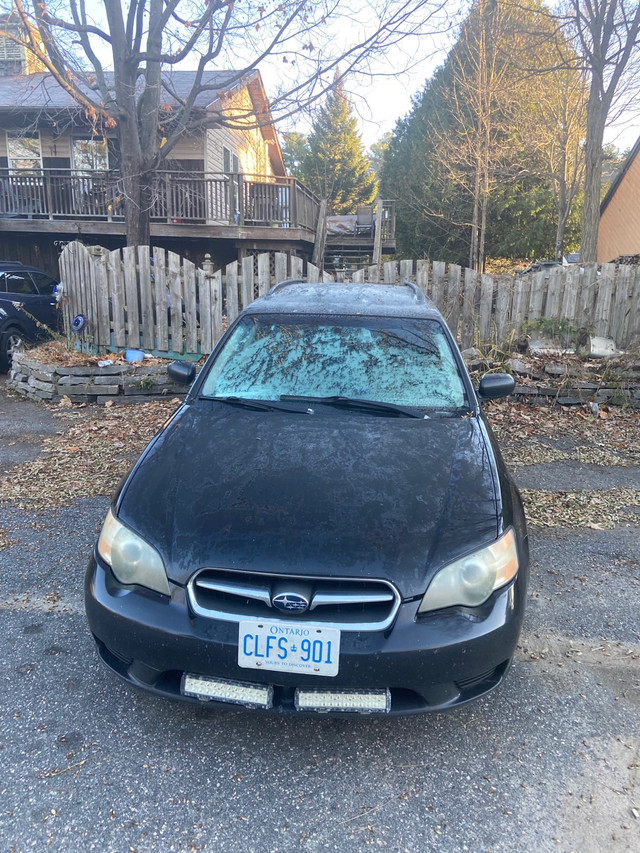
{"points": [[406, 270], [437, 284], [620, 304], [422, 275], [390, 272], [602, 312], [633, 330], [247, 281], [503, 299], [468, 305], [486, 308], [232, 291]]}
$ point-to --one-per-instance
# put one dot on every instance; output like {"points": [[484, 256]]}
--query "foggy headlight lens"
{"points": [[470, 580], [132, 560]]}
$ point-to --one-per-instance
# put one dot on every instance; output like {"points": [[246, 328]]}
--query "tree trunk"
{"points": [[596, 119], [473, 251], [563, 215], [136, 183]]}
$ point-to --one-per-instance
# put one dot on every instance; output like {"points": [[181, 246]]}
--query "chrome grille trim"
{"points": [[243, 590], [367, 604], [323, 599]]}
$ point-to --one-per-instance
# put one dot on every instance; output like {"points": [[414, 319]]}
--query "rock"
{"points": [[518, 366], [554, 368], [471, 353], [600, 347], [547, 347]]}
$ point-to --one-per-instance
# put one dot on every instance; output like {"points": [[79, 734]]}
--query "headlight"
{"points": [[470, 580], [132, 560]]}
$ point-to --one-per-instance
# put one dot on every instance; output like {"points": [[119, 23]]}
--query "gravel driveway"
{"points": [[549, 762]]}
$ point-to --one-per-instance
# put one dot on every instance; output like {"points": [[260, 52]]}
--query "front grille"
{"points": [[347, 603]]}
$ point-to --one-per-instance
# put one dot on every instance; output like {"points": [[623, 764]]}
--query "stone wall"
{"points": [[90, 383]]}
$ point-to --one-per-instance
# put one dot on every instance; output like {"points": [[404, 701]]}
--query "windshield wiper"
{"points": [[357, 404], [257, 405], [456, 412], [245, 403]]}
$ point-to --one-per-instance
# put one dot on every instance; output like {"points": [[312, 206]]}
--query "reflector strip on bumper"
{"points": [[364, 701], [222, 690]]}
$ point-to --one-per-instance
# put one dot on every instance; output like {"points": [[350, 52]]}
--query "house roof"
{"points": [[42, 91], [620, 176]]}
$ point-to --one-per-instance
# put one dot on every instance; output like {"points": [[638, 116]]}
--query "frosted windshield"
{"points": [[391, 360]]}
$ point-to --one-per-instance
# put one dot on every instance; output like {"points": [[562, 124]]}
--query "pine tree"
{"points": [[294, 151], [336, 166]]}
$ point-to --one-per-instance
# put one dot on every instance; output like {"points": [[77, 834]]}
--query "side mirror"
{"points": [[183, 372], [494, 385]]}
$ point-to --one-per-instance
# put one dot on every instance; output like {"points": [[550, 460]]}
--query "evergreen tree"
{"points": [[294, 151], [471, 165], [336, 166], [376, 153]]}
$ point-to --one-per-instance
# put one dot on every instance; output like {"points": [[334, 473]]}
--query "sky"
{"points": [[383, 98], [381, 101]]}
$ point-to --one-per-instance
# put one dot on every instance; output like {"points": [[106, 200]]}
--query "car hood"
{"points": [[333, 494]]}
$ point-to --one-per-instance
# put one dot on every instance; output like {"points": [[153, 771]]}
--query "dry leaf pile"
{"points": [[95, 449], [534, 434], [56, 352], [595, 509]]}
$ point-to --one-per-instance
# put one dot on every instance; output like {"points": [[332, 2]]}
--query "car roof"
{"points": [[18, 265], [334, 298]]}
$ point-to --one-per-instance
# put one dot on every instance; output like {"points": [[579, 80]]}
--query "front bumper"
{"points": [[430, 663]]}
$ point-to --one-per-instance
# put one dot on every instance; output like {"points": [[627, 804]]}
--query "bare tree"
{"points": [[476, 148], [606, 35], [117, 65], [554, 121]]}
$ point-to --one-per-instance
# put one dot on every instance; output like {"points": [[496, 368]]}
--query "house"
{"points": [[619, 233], [224, 191]]}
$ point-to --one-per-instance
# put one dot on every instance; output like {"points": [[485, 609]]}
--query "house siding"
{"points": [[249, 145], [619, 232], [188, 147]]}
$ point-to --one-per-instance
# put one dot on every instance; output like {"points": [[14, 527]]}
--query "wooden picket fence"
{"points": [[154, 300]]}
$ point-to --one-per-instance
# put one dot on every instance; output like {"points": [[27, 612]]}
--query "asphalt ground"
{"points": [[548, 762]]}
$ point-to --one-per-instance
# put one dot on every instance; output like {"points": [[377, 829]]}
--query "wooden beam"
{"points": [[377, 237], [317, 259]]}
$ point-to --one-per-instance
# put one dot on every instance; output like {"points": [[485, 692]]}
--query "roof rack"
{"points": [[419, 294], [286, 283]]}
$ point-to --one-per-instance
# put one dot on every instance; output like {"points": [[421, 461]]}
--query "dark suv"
{"points": [[28, 308]]}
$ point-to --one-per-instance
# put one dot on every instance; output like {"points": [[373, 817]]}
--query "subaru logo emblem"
{"points": [[290, 602]]}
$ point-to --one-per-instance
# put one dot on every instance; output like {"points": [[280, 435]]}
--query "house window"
{"points": [[230, 161], [23, 151], [90, 155]]}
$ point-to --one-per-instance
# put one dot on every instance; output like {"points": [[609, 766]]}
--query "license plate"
{"points": [[288, 647]]}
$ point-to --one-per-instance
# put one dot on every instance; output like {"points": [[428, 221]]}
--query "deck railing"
{"points": [[189, 197]]}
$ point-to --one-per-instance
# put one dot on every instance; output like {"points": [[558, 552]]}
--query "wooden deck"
{"points": [[68, 201]]}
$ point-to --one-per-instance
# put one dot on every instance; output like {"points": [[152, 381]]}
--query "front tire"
{"points": [[12, 340]]}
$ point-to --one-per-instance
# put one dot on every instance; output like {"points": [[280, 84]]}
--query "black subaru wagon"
{"points": [[325, 525]]}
